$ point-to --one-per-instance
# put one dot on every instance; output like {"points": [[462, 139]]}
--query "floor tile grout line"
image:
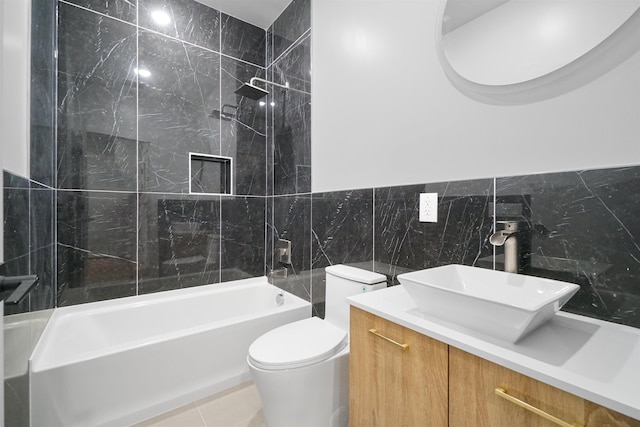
{"points": [[197, 408]]}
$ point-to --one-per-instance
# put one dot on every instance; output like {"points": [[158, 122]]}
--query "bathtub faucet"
{"points": [[277, 273]]}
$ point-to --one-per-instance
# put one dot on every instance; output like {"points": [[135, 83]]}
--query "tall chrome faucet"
{"points": [[508, 237]]}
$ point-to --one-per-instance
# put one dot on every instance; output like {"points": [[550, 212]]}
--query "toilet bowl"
{"points": [[301, 369]]}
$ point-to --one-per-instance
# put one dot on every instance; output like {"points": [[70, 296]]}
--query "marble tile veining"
{"points": [[96, 102], [42, 249], [291, 220], [179, 241], [584, 228], [294, 68], [125, 10], [243, 41], [294, 21], [342, 227], [96, 247], [175, 103], [342, 233], [460, 235], [16, 230], [289, 119], [244, 132], [243, 237], [43, 89], [291, 142], [29, 240]]}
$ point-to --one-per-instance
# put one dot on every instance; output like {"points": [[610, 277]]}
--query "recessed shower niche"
{"points": [[210, 174]]}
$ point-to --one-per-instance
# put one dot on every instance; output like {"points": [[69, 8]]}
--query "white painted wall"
{"points": [[385, 114], [15, 26]]}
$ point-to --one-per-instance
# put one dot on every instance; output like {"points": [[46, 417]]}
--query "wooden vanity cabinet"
{"points": [[474, 401], [392, 385], [430, 384]]}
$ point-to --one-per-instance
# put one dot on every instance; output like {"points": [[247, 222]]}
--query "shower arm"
{"points": [[258, 79]]}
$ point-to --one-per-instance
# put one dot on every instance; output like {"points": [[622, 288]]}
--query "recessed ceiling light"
{"points": [[161, 17], [142, 72]]}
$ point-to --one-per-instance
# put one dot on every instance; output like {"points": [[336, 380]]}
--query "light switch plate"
{"points": [[428, 207]]}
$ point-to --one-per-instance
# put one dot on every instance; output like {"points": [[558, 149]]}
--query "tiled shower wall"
{"points": [[126, 226], [125, 221], [121, 221]]}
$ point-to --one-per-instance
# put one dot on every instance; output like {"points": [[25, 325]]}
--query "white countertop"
{"points": [[596, 360]]}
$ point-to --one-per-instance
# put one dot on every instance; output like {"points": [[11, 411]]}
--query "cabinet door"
{"points": [[474, 401], [391, 385]]}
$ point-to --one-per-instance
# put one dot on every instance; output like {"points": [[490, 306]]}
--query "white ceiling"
{"points": [[260, 13]]}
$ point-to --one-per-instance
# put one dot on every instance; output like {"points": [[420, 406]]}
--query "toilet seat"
{"points": [[297, 344]]}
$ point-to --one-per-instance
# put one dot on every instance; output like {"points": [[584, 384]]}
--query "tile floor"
{"points": [[237, 407]]}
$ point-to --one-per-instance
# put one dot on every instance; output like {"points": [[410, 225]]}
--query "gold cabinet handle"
{"points": [[503, 393], [376, 333]]}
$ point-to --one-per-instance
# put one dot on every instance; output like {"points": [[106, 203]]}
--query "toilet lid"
{"points": [[297, 344]]}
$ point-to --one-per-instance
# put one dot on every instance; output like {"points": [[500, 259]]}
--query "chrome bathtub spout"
{"points": [[508, 237], [277, 273]]}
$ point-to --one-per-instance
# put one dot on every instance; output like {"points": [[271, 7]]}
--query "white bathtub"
{"points": [[117, 362]]}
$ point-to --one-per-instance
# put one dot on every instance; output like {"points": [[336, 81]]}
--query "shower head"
{"points": [[250, 90]]}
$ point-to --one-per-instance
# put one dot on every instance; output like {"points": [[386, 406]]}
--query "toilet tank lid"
{"points": [[356, 274]]}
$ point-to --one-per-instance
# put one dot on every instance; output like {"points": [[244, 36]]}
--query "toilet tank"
{"points": [[344, 281]]}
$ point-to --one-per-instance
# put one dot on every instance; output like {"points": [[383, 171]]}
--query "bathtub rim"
{"points": [[38, 362]]}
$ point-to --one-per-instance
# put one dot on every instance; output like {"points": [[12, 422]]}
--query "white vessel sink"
{"points": [[503, 305]]}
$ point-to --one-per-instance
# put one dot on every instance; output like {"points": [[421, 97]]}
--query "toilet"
{"points": [[301, 369]]}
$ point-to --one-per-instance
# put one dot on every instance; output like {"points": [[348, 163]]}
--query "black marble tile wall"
{"points": [[175, 102], [289, 120], [584, 228], [294, 68], [139, 85], [186, 20], [124, 10], [243, 237], [294, 21], [179, 241], [29, 240], [243, 41], [16, 226], [43, 92], [291, 123], [42, 250], [243, 128], [96, 246], [461, 235], [342, 233], [96, 142], [290, 219]]}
